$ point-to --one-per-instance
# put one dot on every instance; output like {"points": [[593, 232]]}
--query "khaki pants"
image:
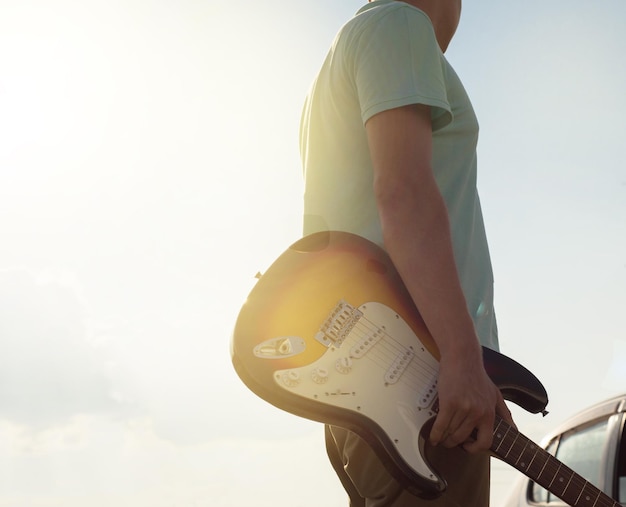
{"points": [[368, 483]]}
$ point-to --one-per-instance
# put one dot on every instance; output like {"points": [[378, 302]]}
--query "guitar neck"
{"points": [[520, 452]]}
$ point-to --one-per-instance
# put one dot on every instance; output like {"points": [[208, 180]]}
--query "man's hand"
{"points": [[468, 401]]}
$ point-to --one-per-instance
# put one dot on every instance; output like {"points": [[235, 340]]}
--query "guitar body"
{"points": [[330, 333]]}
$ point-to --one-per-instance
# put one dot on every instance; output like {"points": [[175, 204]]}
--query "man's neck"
{"points": [[444, 15]]}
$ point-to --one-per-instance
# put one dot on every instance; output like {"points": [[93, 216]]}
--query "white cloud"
{"points": [[96, 462], [49, 370]]}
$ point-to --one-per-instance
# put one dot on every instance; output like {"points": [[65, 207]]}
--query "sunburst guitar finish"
{"points": [[331, 334]]}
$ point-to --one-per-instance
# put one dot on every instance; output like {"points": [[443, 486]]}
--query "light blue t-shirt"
{"points": [[386, 57]]}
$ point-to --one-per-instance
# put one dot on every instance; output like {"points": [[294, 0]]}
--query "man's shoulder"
{"points": [[381, 23], [387, 13]]}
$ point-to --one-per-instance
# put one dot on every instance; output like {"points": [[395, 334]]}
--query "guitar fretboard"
{"points": [[520, 452]]}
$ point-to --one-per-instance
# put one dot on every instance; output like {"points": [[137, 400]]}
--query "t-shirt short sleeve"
{"points": [[397, 63]]}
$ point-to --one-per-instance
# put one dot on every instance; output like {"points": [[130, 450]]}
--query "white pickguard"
{"points": [[379, 369]]}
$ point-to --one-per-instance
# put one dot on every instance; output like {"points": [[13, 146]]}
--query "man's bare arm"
{"points": [[416, 233]]}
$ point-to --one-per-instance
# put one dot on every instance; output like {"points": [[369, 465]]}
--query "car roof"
{"points": [[602, 409]]}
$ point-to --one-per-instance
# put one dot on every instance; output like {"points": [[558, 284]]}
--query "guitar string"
{"points": [[390, 350], [387, 349], [570, 486], [575, 486]]}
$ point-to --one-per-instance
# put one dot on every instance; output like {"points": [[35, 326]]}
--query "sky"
{"points": [[149, 169]]}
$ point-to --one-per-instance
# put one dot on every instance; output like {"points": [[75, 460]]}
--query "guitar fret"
{"points": [[561, 483], [501, 437], [522, 453], [512, 445], [568, 483], [545, 457], [536, 452], [591, 497], [525, 451], [581, 493], [554, 475]]}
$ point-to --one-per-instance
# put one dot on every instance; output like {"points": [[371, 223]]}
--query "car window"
{"points": [[580, 449]]}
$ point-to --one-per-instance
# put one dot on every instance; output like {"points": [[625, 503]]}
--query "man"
{"points": [[388, 143]]}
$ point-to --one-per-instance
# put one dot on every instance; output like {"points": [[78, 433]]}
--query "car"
{"points": [[593, 444]]}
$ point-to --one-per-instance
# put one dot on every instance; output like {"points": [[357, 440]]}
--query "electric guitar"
{"points": [[331, 334]]}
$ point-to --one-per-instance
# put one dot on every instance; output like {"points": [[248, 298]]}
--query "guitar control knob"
{"points": [[291, 378], [319, 375], [344, 365]]}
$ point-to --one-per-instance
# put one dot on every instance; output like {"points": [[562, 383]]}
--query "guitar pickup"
{"points": [[365, 344], [398, 367], [428, 395]]}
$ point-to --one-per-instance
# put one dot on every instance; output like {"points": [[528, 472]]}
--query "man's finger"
{"points": [[484, 438], [503, 411], [439, 429]]}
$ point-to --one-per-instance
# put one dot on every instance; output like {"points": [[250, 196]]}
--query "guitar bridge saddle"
{"points": [[338, 325]]}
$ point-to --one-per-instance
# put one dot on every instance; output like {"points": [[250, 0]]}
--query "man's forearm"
{"points": [[417, 237]]}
